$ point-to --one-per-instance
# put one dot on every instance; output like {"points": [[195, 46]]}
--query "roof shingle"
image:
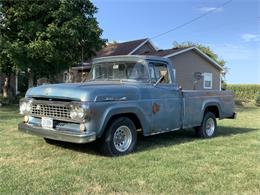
{"points": [[165, 52], [119, 48]]}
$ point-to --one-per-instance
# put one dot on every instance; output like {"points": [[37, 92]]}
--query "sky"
{"points": [[232, 31]]}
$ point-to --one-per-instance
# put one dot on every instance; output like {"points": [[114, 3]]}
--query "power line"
{"points": [[192, 20]]}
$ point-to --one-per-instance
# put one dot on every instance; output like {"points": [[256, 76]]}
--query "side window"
{"points": [[157, 70], [207, 83]]}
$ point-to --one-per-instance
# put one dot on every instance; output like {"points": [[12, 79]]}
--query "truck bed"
{"points": [[196, 101]]}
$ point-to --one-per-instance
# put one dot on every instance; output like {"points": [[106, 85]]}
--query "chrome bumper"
{"points": [[57, 134]]}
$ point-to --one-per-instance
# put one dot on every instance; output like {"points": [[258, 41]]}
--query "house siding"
{"points": [[187, 63]]}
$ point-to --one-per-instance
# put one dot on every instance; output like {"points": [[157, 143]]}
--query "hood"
{"points": [[90, 91]]}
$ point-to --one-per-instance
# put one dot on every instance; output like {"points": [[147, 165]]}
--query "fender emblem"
{"points": [[155, 108]]}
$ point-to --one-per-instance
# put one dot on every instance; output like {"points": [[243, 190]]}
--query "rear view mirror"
{"points": [[121, 67]]}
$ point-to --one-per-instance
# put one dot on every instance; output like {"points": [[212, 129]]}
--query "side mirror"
{"points": [[174, 73]]}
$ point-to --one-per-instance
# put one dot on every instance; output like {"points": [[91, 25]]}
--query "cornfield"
{"points": [[245, 92]]}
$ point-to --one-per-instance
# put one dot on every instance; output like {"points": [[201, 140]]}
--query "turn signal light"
{"points": [[82, 127], [26, 119]]}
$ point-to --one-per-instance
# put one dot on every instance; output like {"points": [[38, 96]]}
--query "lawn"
{"points": [[172, 163]]}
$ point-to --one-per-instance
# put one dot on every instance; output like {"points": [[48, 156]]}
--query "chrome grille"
{"points": [[52, 110]]}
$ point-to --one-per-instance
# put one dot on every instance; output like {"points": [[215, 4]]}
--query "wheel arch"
{"points": [[135, 115], [129, 115], [214, 108]]}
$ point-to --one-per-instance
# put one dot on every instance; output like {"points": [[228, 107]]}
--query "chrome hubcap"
{"points": [[122, 138], [210, 127]]}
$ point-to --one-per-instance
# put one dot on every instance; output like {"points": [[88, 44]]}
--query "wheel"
{"points": [[120, 138], [208, 126]]}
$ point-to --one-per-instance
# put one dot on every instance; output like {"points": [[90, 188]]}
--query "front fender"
{"points": [[126, 108]]}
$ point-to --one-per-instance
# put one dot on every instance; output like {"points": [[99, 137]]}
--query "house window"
{"points": [[207, 80]]}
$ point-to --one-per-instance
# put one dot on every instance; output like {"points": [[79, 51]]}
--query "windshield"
{"points": [[133, 71]]}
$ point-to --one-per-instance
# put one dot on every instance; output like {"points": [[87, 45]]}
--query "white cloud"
{"points": [[250, 37], [209, 9]]}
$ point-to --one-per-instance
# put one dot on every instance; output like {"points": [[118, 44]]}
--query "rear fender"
{"points": [[209, 103]]}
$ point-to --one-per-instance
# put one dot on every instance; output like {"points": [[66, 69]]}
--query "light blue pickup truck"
{"points": [[124, 94]]}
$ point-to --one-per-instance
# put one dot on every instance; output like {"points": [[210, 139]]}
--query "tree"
{"points": [[47, 37], [7, 68], [209, 52]]}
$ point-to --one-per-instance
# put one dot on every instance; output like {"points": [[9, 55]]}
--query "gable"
{"points": [[167, 53], [188, 63], [147, 47], [192, 60], [123, 48], [201, 53], [127, 48]]}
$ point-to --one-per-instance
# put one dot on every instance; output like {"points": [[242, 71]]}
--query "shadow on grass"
{"points": [[9, 113], [9, 116], [157, 141], [9, 108], [89, 148], [183, 136]]}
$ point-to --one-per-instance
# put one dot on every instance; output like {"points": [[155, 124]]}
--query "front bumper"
{"points": [[57, 134]]}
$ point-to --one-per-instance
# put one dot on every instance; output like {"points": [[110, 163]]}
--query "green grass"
{"points": [[173, 163]]}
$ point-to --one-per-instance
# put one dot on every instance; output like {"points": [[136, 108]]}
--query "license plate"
{"points": [[47, 122]]}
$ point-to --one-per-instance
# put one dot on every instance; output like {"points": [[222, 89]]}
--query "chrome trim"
{"points": [[58, 110], [166, 131], [210, 127], [66, 136], [122, 138], [53, 111], [109, 98]]}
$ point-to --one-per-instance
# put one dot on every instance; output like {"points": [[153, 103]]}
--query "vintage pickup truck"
{"points": [[124, 94]]}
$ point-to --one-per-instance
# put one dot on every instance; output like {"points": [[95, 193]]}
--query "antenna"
{"points": [[82, 56]]}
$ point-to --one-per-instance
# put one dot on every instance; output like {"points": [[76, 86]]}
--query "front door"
{"points": [[166, 100]]}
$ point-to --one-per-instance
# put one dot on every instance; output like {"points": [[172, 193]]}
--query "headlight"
{"points": [[78, 112], [25, 106]]}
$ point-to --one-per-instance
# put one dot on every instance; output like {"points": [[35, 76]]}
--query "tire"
{"points": [[120, 137], [208, 126]]}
